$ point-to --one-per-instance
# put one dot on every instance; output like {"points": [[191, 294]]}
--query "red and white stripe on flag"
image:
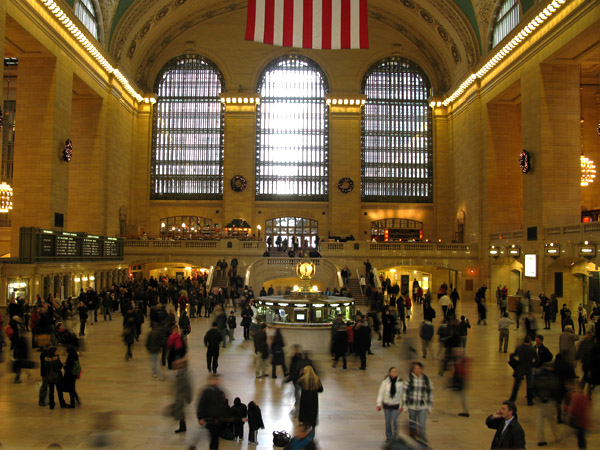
{"points": [[318, 24]]}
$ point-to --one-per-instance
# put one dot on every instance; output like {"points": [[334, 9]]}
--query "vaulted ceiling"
{"points": [[451, 35]]}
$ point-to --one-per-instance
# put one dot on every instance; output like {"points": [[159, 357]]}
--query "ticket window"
{"points": [[301, 315]]}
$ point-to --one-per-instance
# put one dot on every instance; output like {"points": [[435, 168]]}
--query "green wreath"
{"points": [[346, 185], [238, 183]]}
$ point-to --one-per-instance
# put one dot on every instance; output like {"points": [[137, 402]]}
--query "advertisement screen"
{"points": [[531, 265]]}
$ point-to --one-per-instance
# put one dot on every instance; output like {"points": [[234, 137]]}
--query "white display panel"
{"points": [[531, 265]]}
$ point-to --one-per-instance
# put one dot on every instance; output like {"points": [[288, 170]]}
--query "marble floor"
{"points": [[123, 397]]}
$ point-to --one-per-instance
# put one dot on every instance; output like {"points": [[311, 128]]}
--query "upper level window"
{"points": [[507, 19], [292, 141], [187, 144], [397, 142], [86, 12]]}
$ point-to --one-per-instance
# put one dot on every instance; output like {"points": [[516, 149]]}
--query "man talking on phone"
{"points": [[509, 433]]}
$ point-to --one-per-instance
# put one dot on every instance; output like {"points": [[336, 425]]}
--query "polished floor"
{"points": [[122, 397]]}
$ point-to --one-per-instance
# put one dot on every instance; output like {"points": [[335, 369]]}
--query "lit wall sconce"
{"points": [[494, 251], [240, 99], [514, 251], [587, 250], [552, 249]]}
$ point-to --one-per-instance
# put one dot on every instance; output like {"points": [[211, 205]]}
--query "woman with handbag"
{"points": [[72, 374], [54, 376]]}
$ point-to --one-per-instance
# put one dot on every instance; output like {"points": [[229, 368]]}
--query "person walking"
{"points": [[212, 409], [527, 358], [504, 330], [277, 353], [389, 328], [417, 398], [183, 392], [247, 315], [509, 433], [362, 340], [261, 351], [340, 345], [566, 345], [154, 344], [212, 341], [389, 398], [311, 387]]}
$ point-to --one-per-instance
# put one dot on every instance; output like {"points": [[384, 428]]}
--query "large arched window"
{"points": [[187, 146], [397, 143], [292, 142], [86, 12], [507, 18]]}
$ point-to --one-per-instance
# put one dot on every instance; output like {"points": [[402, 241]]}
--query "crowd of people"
{"points": [[167, 305]]}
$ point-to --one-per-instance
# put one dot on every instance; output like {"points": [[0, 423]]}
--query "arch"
{"points": [[505, 18], [90, 15], [292, 131], [188, 131], [396, 229], [397, 133], [288, 227]]}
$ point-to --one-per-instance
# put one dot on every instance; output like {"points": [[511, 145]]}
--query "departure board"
{"points": [[39, 245]]}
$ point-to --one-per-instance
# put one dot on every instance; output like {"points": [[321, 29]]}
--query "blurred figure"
{"points": [[579, 410], [460, 378], [212, 408], [183, 392], [309, 398]]}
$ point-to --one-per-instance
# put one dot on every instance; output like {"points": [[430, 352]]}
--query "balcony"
{"points": [[156, 250]]}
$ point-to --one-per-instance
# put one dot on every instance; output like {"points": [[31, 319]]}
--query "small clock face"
{"points": [[525, 161]]}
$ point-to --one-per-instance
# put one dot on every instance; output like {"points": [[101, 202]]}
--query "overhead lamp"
{"points": [[494, 251]]}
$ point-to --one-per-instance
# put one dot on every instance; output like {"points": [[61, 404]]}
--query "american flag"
{"points": [[316, 24]]}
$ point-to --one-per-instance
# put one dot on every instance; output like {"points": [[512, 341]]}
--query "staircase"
{"points": [[220, 281], [354, 288]]}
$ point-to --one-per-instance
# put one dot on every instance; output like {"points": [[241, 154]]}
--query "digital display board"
{"points": [[39, 245]]}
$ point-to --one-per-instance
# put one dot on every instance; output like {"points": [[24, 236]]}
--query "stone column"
{"points": [[344, 162], [551, 133], [240, 144], [40, 176]]}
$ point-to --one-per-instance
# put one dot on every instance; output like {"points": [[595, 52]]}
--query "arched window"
{"points": [[86, 12], [508, 16], [397, 142], [306, 230], [187, 144], [292, 141]]}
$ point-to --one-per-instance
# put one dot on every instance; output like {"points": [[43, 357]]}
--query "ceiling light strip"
{"points": [[92, 50], [548, 11]]}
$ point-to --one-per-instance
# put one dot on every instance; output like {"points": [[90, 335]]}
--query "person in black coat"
{"points": [[212, 340], [247, 314], [212, 409], [389, 328], [239, 412], [527, 358], [340, 345], [278, 356], [309, 397], [255, 422], [69, 379], [544, 355], [362, 340], [514, 436]]}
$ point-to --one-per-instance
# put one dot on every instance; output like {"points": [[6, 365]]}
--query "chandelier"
{"points": [[6, 195], [588, 171]]}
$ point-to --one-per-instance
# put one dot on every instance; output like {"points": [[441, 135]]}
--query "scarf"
{"points": [[393, 387]]}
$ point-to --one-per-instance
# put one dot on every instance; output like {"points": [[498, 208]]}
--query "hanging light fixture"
{"points": [[588, 171], [6, 195]]}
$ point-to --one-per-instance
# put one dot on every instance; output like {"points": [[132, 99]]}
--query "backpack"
{"points": [[281, 438], [76, 369]]}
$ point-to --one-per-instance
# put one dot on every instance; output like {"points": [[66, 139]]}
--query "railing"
{"points": [[289, 261], [580, 228]]}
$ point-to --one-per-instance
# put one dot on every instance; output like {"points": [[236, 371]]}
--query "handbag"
{"points": [[76, 369], [281, 438]]}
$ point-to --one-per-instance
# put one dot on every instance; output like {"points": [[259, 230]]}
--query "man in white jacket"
{"points": [[389, 398]]}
